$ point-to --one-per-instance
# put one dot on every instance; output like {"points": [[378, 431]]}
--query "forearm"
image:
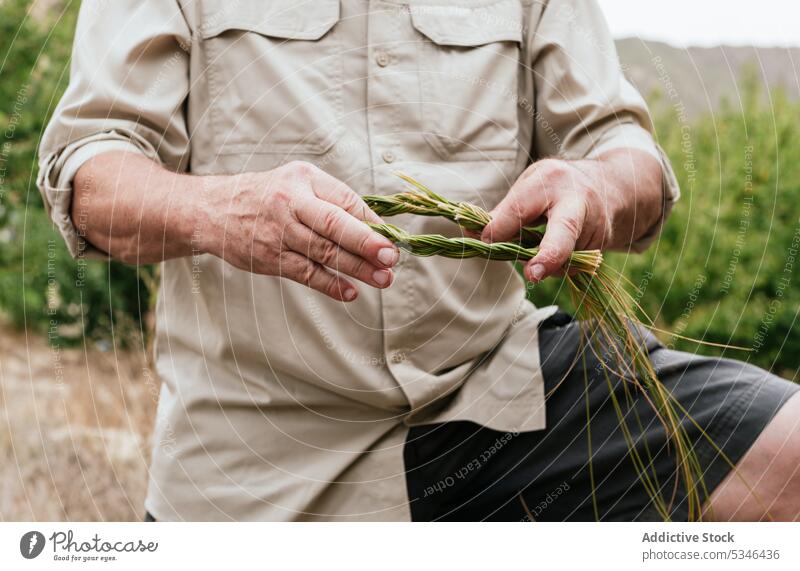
{"points": [[134, 209]]}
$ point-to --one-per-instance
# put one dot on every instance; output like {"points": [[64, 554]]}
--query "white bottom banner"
{"points": [[389, 547]]}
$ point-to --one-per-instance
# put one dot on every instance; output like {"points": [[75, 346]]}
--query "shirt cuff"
{"points": [[56, 174], [633, 136]]}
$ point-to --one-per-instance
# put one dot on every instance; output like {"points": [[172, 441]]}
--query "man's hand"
{"points": [[605, 203], [296, 222]]}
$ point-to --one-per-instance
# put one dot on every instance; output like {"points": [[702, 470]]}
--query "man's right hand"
{"points": [[296, 222]]}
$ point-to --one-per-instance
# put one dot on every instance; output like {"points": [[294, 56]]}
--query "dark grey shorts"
{"points": [[460, 471]]}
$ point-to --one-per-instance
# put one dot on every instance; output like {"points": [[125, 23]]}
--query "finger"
{"points": [[331, 189], [302, 270], [323, 251], [338, 226], [564, 225], [525, 201]]}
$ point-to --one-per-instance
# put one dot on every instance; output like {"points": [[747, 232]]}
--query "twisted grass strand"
{"points": [[425, 245], [422, 201]]}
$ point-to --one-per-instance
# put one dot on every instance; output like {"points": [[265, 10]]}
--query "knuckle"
{"points": [[280, 193], [309, 273], [329, 253], [592, 190], [300, 168], [572, 225], [331, 221], [350, 200], [364, 242], [513, 207], [551, 168]]}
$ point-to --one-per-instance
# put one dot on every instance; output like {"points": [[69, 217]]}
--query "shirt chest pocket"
{"points": [[274, 74], [469, 64]]}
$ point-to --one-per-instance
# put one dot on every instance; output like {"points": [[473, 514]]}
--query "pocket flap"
{"points": [[459, 25], [288, 19]]}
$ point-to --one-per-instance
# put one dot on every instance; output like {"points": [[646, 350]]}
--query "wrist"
{"points": [[636, 194], [649, 197], [201, 223]]}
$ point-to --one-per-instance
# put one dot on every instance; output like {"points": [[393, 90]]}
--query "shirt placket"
{"points": [[392, 115]]}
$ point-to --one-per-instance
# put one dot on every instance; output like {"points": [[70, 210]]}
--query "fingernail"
{"points": [[387, 256], [381, 277], [536, 273], [349, 294]]}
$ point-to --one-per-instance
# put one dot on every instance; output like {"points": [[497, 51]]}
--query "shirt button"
{"points": [[388, 157], [382, 58]]}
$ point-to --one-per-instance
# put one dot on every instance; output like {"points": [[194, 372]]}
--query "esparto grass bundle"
{"points": [[610, 317]]}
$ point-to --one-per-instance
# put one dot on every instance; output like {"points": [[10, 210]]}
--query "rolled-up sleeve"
{"points": [[584, 105], [129, 80]]}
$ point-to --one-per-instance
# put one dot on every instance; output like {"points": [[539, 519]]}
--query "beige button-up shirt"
{"points": [[279, 403]]}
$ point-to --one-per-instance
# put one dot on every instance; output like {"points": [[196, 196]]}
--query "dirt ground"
{"points": [[74, 431]]}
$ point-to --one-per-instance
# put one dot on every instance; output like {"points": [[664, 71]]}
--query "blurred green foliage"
{"points": [[723, 270], [42, 288]]}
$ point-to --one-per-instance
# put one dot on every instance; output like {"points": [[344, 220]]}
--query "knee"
{"points": [[766, 482]]}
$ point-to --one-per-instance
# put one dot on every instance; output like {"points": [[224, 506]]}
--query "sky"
{"points": [[707, 22]]}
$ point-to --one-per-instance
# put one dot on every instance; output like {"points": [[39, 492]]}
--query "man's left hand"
{"points": [[603, 203]]}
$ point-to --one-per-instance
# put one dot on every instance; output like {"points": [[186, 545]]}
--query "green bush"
{"points": [[41, 287]]}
